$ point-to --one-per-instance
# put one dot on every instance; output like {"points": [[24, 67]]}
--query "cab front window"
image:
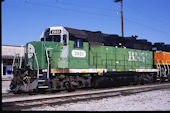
{"points": [[54, 38]]}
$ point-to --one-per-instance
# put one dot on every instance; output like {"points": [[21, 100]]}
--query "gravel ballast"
{"points": [[147, 101]]}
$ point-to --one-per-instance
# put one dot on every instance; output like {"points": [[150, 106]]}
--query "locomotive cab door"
{"points": [[63, 62], [64, 48], [60, 35]]}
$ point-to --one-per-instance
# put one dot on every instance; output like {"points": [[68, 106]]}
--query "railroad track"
{"points": [[71, 98], [49, 92]]}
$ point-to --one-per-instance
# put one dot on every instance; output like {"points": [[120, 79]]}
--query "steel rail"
{"points": [[27, 104]]}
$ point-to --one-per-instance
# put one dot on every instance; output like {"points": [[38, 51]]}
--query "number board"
{"points": [[79, 53], [55, 32]]}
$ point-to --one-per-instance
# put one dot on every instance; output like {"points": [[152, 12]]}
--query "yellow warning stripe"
{"points": [[166, 52], [162, 63], [133, 69], [119, 70], [83, 71], [143, 70], [54, 71]]}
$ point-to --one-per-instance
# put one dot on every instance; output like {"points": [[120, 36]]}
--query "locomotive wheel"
{"points": [[68, 86], [95, 83], [41, 90], [13, 85], [18, 92], [136, 80], [162, 79], [139, 80], [33, 92]]}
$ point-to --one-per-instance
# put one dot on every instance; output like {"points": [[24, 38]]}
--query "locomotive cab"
{"points": [[56, 34], [52, 49]]}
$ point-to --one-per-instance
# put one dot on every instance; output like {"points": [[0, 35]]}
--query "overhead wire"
{"points": [[99, 14], [87, 6], [72, 10], [146, 26], [110, 9], [149, 16]]}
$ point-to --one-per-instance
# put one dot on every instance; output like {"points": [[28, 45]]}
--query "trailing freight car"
{"points": [[67, 58]]}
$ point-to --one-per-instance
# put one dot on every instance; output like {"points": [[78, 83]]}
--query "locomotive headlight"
{"points": [[31, 50]]}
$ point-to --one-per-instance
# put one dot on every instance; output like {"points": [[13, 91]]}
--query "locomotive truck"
{"points": [[68, 59]]}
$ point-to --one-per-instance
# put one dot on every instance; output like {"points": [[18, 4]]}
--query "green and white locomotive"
{"points": [[67, 58]]}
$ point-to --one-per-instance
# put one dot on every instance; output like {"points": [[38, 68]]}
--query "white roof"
{"points": [[8, 50]]}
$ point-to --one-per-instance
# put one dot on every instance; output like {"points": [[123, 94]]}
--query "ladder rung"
{"points": [[40, 74], [41, 80], [42, 86]]}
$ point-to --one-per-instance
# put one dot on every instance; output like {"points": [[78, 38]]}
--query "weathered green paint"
{"points": [[119, 58], [40, 50], [63, 62], [105, 57], [78, 62]]}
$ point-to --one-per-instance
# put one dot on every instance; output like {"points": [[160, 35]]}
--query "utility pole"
{"points": [[121, 15], [1, 16]]}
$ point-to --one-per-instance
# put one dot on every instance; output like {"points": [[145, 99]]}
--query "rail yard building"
{"points": [[9, 54]]}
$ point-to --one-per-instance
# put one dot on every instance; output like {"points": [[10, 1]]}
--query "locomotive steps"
{"points": [[58, 99]]}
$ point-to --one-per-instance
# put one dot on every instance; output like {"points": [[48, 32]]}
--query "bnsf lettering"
{"points": [[135, 56]]}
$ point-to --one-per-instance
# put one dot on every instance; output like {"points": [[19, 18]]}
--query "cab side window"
{"points": [[78, 43], [58, 38], [64, 40]]}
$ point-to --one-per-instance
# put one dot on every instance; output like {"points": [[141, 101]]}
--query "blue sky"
{"points": [[24, 20]]}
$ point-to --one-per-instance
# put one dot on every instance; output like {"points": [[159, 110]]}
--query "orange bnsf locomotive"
{"points": [[162, 60]]}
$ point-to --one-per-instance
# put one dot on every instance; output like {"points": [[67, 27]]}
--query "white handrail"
{"points": [[21, 57], [168, 66], [158, 66], [13, 62], [20, 62], [164, 67], [48, 68], [37, 64]]}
